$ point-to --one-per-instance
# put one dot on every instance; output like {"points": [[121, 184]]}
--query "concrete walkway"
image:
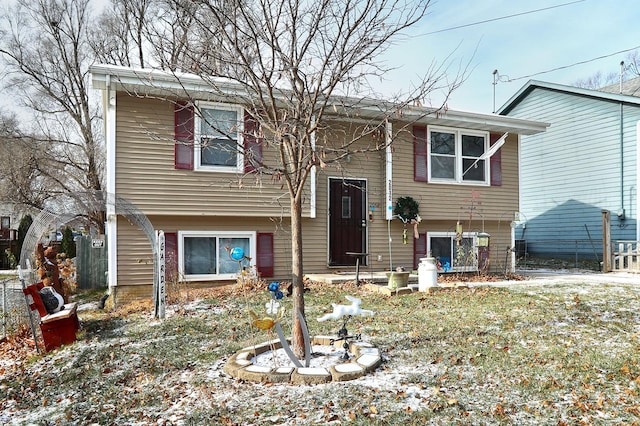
{"points": [[534, 276]]}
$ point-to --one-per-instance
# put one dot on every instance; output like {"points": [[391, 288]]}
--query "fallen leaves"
{"points": [[484, 355]]}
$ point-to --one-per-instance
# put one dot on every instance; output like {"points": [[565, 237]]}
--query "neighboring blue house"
{"points": [[584, 163]]}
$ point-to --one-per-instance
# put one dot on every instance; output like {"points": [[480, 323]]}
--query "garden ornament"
{"points": [[346, 312], [340, 311]]}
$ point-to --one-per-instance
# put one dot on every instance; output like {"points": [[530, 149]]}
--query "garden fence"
{"points": [[626, 256], [13, 305], [582, 253]]}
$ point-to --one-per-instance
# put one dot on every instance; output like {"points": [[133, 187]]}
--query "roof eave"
{"points": [[149, 82], [531, 85]]}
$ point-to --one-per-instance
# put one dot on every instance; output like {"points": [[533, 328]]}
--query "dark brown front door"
{"points": [[347, 221]]}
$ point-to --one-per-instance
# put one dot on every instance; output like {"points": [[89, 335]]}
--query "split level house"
{"points": [[585, 163], [157, 162]]}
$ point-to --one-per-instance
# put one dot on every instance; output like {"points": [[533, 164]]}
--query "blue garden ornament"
{"points": [[237, 254], [274, 286]]}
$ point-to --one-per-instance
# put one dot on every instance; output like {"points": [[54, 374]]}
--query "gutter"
{"points": [[149, 82]]}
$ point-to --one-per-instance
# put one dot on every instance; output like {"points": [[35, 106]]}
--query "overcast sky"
{"points": [[520, 47]]}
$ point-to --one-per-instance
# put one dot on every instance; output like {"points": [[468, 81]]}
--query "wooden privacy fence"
{"points": [[91, 262], [626, 256]]}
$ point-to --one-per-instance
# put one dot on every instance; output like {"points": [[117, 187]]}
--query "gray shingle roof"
{"points": [[630, 87]]}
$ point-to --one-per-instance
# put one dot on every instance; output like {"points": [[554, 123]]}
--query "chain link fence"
{"points": [[579, 254]]}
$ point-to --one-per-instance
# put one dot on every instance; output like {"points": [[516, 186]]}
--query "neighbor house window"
{"points": [[204, 255], [455, 254], [455, 156], [218, 141]]}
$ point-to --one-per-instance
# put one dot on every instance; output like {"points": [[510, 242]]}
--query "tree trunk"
{"points": [[296, 276]]}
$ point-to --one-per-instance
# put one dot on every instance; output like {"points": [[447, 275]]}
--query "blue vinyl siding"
{"points": [[572, 172]]}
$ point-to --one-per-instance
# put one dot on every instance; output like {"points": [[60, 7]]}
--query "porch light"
{"points": [[483, 239]]}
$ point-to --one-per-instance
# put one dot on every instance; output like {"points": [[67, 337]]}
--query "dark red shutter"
{"points": [[419, 249], [171, 256], [264, 255], [495, 162], [183, 126], [252, 144], [420, 171]]}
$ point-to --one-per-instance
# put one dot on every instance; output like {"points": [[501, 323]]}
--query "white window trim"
{"points": [[217, 234], [459, 168], [452, 235], [239, 168]]}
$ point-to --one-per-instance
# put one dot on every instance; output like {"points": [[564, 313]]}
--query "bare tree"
{"points": [[632, 63], [149, 33], [47, 59], [597, 80], [300, 62], [22, 161], [630, 69], [172, 36]]}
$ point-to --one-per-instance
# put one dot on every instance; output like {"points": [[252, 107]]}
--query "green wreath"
{"points": [[406, 209]]}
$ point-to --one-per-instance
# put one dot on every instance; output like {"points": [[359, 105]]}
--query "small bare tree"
{"points": [[301, 64]]}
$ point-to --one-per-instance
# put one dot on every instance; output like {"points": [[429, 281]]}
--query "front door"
{"points": [[347, 221]]}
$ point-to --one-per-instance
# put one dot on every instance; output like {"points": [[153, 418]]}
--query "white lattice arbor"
{"points": [[73, 206]]}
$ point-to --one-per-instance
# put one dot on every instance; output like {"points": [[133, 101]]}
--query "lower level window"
{"points": [[455, 254], [206, 255]]}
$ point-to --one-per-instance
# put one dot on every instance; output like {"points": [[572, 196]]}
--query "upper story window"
{"points": [[454, 156], [446, 155], [218, 139], [5, 222]]}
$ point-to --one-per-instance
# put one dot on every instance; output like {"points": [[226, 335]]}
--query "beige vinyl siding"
{"points": [[368, 166], [146, 175], [179, 200], [453, 201], [500, 238], [442, 205], [135, 255], [135, 261]]}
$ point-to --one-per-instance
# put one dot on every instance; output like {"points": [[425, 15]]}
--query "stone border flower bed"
{"points": [[366, 358]]}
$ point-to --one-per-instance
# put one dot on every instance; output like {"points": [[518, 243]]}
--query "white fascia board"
{"points": [[155, 82], [150, 82]]}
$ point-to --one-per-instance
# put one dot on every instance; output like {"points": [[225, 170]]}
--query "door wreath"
{"points": [[407, 210]]}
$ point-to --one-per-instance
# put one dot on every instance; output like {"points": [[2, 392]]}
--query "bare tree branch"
{"points": [[46, 53]]}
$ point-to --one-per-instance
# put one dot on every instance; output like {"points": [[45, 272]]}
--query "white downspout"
{"points": [[388, 208], [512, 269], [313, 183], [515, 222], [388, 172], [110, 141]]}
